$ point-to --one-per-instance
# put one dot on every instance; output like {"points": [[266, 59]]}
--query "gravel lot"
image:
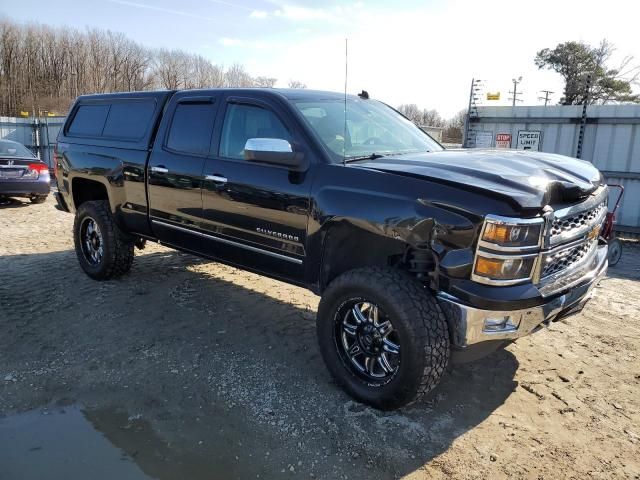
{"points": [[189, 369]]}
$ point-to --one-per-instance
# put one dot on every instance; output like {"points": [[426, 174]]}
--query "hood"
{"points": [[530, 179]]}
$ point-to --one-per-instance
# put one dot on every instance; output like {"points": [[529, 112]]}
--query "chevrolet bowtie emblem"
{"points": [[594, 232]]}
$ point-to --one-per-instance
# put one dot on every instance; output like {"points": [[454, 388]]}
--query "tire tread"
{"points": [[121, 253], [429, 327]]}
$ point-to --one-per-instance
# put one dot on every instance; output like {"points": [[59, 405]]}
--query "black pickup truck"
{"points": [[421, 255]]}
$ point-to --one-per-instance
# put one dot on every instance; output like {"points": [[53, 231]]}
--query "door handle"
{"points": [[216, 178], [159, 170]]}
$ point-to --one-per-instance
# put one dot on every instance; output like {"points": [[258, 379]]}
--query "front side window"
{"points": [[191, 128], [371, 128], [243, 122]]}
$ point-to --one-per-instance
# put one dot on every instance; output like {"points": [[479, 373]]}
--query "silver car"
{"points": [[21, 173]]}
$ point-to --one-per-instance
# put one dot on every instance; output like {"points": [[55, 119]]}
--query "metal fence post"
{"points": [[583, 119]]}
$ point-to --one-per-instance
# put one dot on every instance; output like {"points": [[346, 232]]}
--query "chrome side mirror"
{"points": [[275, 151]]}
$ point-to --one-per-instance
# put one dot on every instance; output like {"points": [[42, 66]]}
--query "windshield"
{"points": [[13, 149], [372, 128]]}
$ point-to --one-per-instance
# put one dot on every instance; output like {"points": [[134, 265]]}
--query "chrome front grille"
{"points": [[573, 223], [571, 242], [557, 260]]}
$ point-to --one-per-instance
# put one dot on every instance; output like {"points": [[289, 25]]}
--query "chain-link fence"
{"points": [[38, 134]]}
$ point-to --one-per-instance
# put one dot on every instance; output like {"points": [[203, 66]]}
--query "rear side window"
{"points": [[129, 120], [89, 121], [191, 128], [243, 122], [120, 120]]}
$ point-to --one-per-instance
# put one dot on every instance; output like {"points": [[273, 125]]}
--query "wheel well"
{"points": [[86, 190], [347, 248]]}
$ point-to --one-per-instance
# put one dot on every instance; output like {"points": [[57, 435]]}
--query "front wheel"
{"points": [[103, 250], [383, 336]]}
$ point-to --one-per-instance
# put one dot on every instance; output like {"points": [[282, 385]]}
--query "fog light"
{"points": [[498, 324]]}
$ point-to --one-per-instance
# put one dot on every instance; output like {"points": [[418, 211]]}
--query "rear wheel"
{"points": [[383, 336], [103, 250], [38, 198]]}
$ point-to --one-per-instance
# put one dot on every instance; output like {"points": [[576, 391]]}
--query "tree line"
{"points": [[452, 128], [43, 68]]}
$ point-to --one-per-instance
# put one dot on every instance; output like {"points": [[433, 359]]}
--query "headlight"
{"points": [[504, 269], [508, 250], [509, 235]]}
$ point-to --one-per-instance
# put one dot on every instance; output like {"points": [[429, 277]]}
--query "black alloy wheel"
{"points": [[366, 341]]}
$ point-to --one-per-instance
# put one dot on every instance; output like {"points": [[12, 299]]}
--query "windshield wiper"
{"points": [[371, 156]]}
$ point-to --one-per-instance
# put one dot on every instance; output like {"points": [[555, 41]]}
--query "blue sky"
{"points": [[423, 52]]}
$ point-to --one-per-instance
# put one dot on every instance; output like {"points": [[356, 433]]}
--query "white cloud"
{"points": [[258, 14], [230, 42]]}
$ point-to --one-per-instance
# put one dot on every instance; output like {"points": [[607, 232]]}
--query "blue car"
{"points": [[22, 174]]}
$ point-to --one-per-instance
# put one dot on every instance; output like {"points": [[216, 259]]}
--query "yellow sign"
{"points": [[24, 114], [493, 96]]}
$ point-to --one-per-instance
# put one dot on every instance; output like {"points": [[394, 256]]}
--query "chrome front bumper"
{"points": [[470, 325]]}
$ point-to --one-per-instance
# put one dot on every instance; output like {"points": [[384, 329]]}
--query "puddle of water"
{"points": [[60, 444], [70, 442]]}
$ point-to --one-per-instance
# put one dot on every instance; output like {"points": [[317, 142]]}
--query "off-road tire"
{"points": [[416, 316], [38, 198], [118, 248]]}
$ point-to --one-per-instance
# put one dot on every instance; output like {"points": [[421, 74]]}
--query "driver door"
{"points": [[256, 213]]}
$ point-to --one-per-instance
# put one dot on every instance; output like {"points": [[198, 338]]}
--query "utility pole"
{"points": [[546, 96], [515, 92]]}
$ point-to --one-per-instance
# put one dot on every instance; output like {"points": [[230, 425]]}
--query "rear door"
{"points": [[175, 169]]}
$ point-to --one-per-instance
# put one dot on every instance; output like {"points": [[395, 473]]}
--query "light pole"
{"points": [[515, 92]]}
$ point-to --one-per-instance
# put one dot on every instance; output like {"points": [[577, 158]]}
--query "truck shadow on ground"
{"points": [[210, 355]]}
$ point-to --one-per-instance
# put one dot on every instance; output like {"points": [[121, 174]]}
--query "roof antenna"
{"points": [[346, 71]]}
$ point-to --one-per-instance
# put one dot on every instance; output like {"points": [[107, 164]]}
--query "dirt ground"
{"points": [[190, 369]]}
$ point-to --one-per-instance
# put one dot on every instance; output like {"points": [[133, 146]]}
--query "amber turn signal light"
{"points": [[489, 267]]}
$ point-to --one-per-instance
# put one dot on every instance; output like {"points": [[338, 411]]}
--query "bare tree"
{"points": [[412, 112], [267, 82], [45, 68], [296, 84], [454, 128], [237, 76], [431, 118]]}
